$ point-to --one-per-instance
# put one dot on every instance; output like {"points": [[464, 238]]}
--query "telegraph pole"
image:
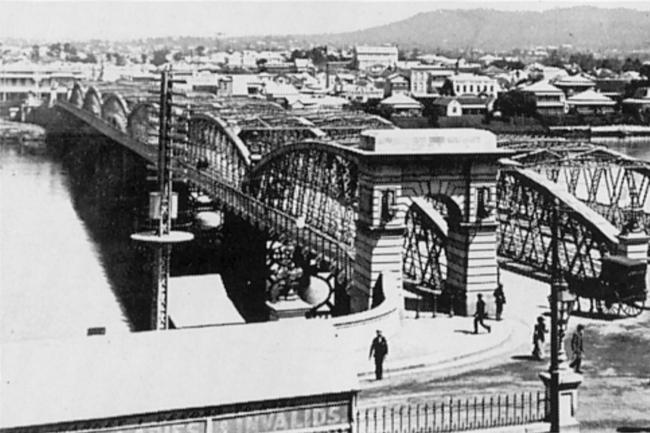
{"points": [[162, 207]]}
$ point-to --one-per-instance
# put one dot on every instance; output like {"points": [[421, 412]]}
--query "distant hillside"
{"points": [[584, 27]]}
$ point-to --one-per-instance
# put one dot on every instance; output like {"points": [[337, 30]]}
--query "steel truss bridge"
{"points": [[295, 177]]}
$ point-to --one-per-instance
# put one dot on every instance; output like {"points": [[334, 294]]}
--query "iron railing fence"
{"points": [[454, 414]]}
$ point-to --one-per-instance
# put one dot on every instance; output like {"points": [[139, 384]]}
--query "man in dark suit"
{"points": [[576, 348], [480, 314], [379, 348]]}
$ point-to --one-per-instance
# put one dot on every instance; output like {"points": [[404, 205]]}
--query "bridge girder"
{"points": [[213, 147], [611, 183], [93, 101], [142, 123], [525, 213], [77, 95], [312, 181], [115, 111]]}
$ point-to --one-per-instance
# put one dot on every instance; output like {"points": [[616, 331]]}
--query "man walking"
{"points": [[479, 315], [499, 300], [539, 336], [379, 348], [576, 348]]}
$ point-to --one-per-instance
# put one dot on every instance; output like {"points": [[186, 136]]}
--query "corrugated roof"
{"points": [[590, 97], [541, 87], [572, 80], [401, 99]]}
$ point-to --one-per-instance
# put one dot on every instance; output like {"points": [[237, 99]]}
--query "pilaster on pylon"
{"points": [[378, 259], [471, 263]]}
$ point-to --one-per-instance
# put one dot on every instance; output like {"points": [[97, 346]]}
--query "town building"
{"points": [[447, 106], [401, 105], [549, 100], [639, 104], [31, 85], [590, 102], [396, 83], [573, 84], [472, 85], [427, 80], [366, 56], [240, 85]]}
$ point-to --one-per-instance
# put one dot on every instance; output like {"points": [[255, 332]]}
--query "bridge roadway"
{"points": [[225, 156]]}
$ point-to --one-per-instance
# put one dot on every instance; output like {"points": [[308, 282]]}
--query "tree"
{"points": [[159, 57], [200, 51], [553, 59], [644, 71], [297, 54], [120, 60], [261, 64], [177, 56], [631, 65], [54, 50], [611, 63], [415, 53], [586, 61], [36, 53], [317, 55], [516, 103], [70, 49]]}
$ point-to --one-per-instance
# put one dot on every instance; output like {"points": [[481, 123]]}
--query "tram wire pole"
{"points": [[561, 302], [162, 238]]}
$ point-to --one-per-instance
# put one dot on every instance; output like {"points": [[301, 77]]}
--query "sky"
{"points": [[50, 21]]}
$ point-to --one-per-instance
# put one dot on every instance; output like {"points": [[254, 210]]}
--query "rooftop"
{"points": [[590, 97], [54, 381], [541, 87]]}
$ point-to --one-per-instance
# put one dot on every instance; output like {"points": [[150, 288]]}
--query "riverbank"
{"points": [[25, 133]]}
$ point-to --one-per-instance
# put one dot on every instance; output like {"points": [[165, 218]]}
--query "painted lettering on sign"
{"points": [[281, 421], [188, 427]]}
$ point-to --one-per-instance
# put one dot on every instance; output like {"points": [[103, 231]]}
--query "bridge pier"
{"points": [[453, 169]]}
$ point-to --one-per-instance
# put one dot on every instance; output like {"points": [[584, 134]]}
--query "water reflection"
{"points": [[52, 283]]}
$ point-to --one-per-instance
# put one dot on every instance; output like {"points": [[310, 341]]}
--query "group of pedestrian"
{"points": [[480, 313], [539, 338], [379, 346]]}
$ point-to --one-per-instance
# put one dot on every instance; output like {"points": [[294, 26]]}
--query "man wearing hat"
{"points": [[379, 349]]}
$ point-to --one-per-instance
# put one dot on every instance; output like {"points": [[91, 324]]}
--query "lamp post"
{"points": [[561, 302]]}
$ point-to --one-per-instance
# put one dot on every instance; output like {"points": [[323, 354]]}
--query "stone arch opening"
{"points": [[428, 222]]}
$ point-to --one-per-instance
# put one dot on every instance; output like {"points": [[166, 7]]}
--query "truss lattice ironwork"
{"points": [[312, 184], [614, 185], [525, 217], [425, 258]]}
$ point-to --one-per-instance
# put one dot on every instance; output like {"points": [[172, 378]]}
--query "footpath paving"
{"points": [[446, 346]]}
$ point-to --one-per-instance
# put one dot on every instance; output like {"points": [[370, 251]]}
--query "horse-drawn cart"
{"points": [[620, 290]]}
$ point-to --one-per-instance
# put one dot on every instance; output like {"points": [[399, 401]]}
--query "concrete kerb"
{"points": [[506, 343], [525, 297]]}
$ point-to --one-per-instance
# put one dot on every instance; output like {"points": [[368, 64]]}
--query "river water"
{"points": [[65, 260], [53, 283]]}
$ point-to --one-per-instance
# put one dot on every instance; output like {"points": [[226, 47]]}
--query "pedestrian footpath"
{"points": [[443, 345]]}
